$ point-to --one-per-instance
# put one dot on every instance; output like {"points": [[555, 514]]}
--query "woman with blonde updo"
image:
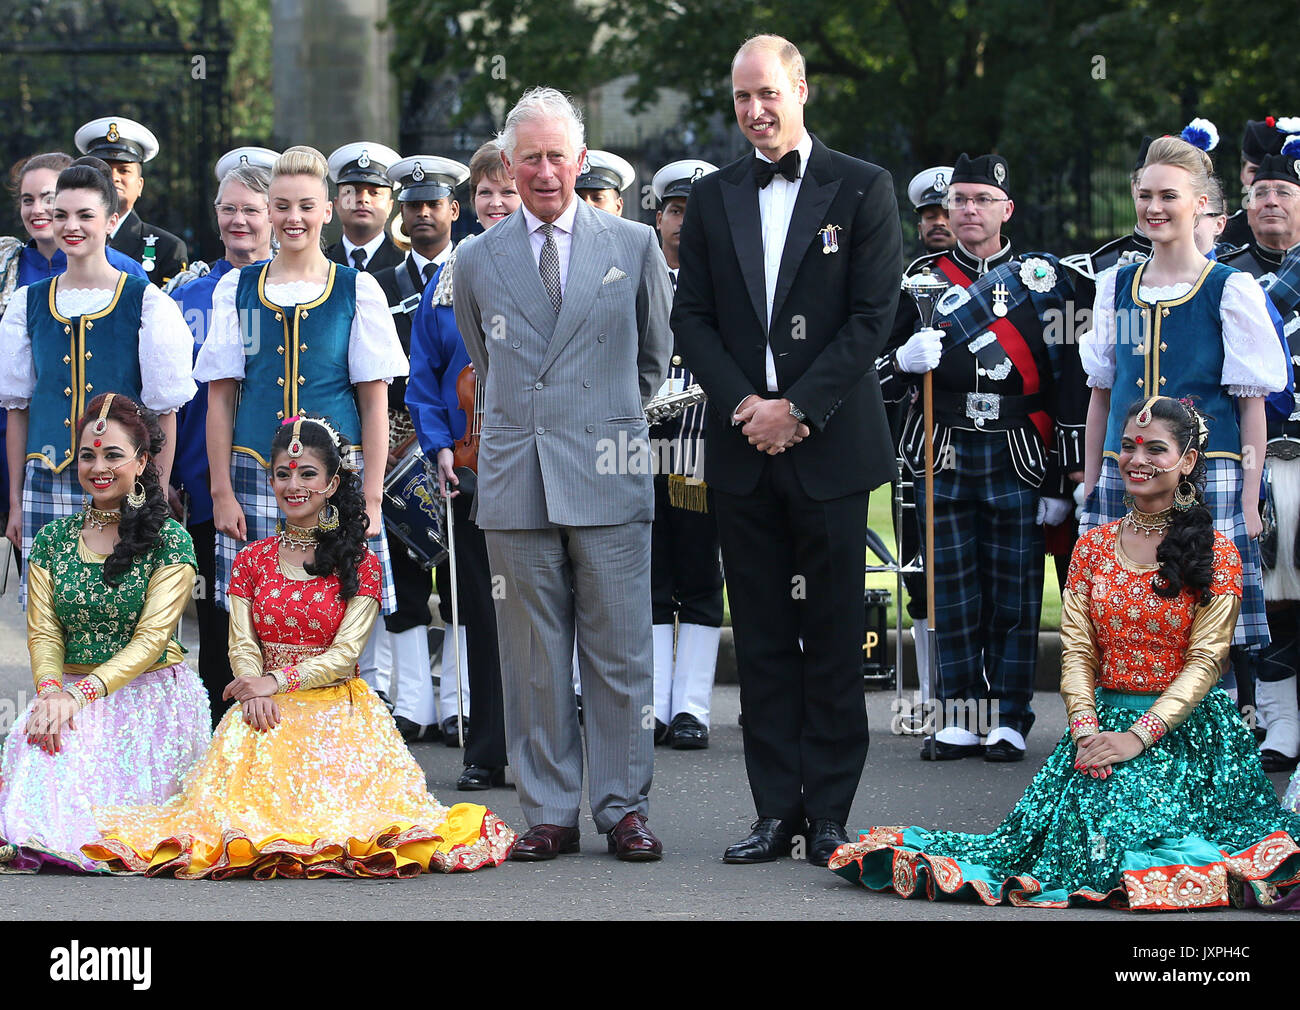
{"points": [[298, 334], [1182, 325]]}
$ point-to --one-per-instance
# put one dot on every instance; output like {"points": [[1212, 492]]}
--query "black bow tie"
{"points": [[766, 171]]}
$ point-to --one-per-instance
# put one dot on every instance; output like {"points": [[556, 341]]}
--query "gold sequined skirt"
{"points": [[331, 791]]}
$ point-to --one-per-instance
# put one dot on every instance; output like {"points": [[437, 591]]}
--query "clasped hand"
{"points": [[1095, 754], [45, 724], [769, 425], [256, 702]]}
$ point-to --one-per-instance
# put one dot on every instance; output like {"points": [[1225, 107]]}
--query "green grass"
{"points": [[880, 519]]}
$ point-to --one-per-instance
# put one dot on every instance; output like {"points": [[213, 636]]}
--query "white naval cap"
{"points": [[427, 177], [677, 178], [927, 187], [258, 157], [116, 138], [363, 161], [604, 170]]}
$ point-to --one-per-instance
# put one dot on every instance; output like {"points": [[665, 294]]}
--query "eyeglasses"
{"points": [[230, 210], [1281, 195], [982, 202]]}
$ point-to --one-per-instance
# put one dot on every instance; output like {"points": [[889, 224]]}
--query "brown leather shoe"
{"points": [[545, 841], [633, 840]]}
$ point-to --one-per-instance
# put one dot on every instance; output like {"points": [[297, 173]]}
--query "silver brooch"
{"points": [[1037, 274]]}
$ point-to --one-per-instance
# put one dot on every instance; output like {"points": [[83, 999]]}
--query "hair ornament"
{"points": [[101, 423], [1144, 415]]}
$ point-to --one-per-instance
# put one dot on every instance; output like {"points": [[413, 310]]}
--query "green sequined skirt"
{"points": [[1192, 822]]}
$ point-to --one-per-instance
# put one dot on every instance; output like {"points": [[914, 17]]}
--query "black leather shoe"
{"points": [[413, 732], [388, 704], [825, 836], [688, 733], [449, 734], [949, 751], [769, 839], [1003, 751], [1276, 761], [661, 733], [476, 778]]}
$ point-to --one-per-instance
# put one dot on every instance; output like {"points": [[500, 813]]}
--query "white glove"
{"points": [[1080, 502], [921, 353], [1053, 511]]}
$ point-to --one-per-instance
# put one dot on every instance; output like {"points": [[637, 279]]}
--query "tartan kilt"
{"points": [[46, 496], [1223, 496], [253, 491]]}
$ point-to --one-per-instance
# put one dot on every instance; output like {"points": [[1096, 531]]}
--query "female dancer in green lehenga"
{"points": [[1155, 798]]}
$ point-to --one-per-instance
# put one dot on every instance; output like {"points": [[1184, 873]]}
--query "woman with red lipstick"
{"points": [[307, 775], [91, 327], [1181, 325], [298, 333], [118, 717], [1154, 799]]}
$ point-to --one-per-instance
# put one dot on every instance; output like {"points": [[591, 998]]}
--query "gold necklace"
{"points": [[298, 538], [97, 519], [1148, 523]]}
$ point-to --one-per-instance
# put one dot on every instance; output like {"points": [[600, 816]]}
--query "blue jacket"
{"points": [[438, 356], [33, 267]]}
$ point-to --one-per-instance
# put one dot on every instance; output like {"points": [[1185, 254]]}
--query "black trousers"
{"points": [[486, 744], [214, 622], [794, 571], [685, 575], [413, 585]]}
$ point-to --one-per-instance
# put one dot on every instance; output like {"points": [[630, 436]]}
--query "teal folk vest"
{"points": [[297, 360], [1173, 348], [76, 359]]}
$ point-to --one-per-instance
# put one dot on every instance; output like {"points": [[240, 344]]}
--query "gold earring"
{"points": [[136, 498], [328, 517], [1184, 495]]}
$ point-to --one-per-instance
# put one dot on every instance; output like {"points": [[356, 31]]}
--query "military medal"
{"points": [[150, 253], [830, 239], [1000, 295], [1037, 274]]}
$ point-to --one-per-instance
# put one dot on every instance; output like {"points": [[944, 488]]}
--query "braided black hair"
{"points": [[139, 527], [339, 551], [1186, 555]]}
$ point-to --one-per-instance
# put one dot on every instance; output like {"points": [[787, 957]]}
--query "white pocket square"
{"points": [[614, 274]]}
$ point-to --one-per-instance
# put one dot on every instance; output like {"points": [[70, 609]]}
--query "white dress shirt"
{"points": [[775, 208], [370, 248], [563, 237]]}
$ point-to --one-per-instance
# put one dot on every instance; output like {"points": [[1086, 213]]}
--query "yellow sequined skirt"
{"points": [[331, 791]]}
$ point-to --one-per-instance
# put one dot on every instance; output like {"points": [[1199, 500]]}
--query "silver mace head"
{"points": [[926, 288]]}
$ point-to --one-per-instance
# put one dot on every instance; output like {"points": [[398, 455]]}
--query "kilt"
{"points": [[1223, 496], [46, 496], [253, 492]]}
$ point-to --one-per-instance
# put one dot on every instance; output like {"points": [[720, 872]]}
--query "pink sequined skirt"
{"points": [[134, 746]]}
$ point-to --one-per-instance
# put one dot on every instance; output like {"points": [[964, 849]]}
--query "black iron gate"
{"points": [[64, 62]]}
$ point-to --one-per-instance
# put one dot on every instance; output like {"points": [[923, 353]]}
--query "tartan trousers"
{"points": [[988, 583]]}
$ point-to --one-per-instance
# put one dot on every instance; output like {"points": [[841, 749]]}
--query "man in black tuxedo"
{"points": [[790, 269]]}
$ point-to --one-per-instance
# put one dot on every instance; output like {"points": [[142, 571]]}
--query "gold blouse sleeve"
{"points": [[1207, 652], [1079, 665], [245, 649], [44, 632], [170, 590], [339, 661]]}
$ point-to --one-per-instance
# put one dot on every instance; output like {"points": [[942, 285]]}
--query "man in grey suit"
{"points": [[564, 312]]}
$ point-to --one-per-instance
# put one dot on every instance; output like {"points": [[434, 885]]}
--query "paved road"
{"points": [[700, 803]]}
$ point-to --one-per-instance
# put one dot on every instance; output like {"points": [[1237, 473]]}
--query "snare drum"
{"points": [[414, 512]]}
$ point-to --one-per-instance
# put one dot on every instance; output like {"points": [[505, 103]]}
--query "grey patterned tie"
{"points": [[549, 265]]}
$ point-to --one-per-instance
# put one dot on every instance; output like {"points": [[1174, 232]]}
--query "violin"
{"points": [[469, 398]]}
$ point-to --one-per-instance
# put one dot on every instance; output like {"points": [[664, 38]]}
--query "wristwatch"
{"points": [[797, 414]]}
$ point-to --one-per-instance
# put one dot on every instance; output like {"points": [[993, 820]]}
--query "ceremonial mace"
{"points": [[455, 607], [926, 289]]}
